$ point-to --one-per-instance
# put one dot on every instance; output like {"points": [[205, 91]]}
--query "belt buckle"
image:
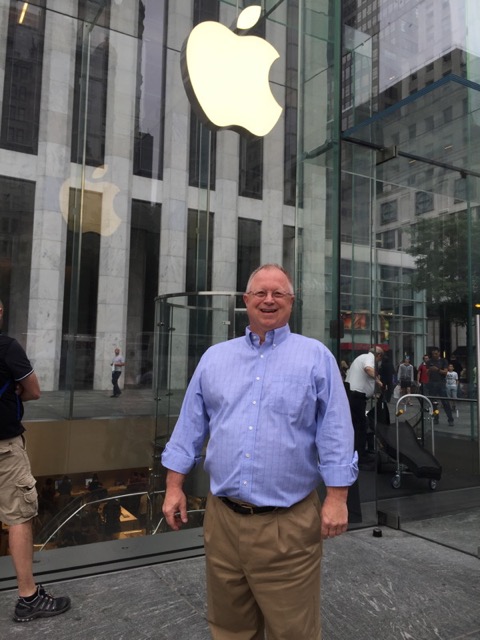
{"points": [[248, 507]]}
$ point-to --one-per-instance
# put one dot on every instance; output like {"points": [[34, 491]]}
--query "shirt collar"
{"points": [[275, 337]]}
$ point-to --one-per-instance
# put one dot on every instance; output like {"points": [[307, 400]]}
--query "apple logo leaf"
{"points": [[248, 18]]}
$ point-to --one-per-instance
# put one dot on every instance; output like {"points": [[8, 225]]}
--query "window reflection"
{"points": [[92, 47], [16, 236], [142, 290], [203, 141], [248, 250], [23, 77], [149, 114], [80, 296]]}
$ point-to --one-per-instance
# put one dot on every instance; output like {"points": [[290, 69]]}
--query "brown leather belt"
{"points": [[246, 509]]}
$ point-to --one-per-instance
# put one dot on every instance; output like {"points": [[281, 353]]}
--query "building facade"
{"points": [[128, 223]]}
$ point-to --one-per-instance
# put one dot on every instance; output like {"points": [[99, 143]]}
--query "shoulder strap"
{"points": [[4, 388]]}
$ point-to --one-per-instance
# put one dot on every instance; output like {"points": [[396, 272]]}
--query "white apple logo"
{"points": [[109, 221], [226, 76]]}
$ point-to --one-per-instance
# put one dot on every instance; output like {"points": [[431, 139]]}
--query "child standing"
{"points": [[451, 381]]}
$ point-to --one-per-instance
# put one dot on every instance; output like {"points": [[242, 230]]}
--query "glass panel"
{"points": [[83, 343], [291, 103], [251, 168], [112, 195], [203, 141], [186, 326], [202, 155], [70, 245], [248, 250], [142, 291], [150, 91], [91, 89], [23, 77], [93, 513], [410, 218], [17, 199], [199, 250]]}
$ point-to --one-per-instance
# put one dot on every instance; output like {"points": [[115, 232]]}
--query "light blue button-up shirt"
{"points": [[276, 415]]}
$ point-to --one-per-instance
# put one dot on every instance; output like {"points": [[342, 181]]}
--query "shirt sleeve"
{"points": [[338, 462], [185, 447]]}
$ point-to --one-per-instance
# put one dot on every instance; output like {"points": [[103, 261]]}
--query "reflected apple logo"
{"points": [[226, 76], [108, 222]]}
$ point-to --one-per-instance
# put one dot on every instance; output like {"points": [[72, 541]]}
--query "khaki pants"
{"points": [[263, 572]]}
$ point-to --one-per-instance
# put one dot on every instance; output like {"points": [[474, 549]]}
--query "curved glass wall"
{"points": [[115, 197]]}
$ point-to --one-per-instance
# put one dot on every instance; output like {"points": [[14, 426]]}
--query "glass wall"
{"points": [[409, 266], [123, 213]]}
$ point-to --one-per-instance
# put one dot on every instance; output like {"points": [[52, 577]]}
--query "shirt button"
{"points": [[254, 402], [244, 483], [250, 428], [261, 356], [247, 455], [257, 378]]}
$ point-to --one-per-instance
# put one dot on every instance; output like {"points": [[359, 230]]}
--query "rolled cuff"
{"points": [[178, 461], [340, 475]]}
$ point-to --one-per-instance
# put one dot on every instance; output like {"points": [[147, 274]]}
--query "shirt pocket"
{"points": [[292, 396]]}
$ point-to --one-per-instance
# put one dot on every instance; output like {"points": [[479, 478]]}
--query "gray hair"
{"points": [[270, 265], [376, 351]]}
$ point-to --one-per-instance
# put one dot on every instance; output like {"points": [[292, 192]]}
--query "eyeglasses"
{"points": [[276, 295]]}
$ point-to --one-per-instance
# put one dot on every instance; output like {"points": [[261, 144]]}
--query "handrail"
{"points": [[162, 519], [90, 502]]}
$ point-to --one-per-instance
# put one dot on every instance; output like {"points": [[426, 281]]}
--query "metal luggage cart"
{"points": [[406, 447]]}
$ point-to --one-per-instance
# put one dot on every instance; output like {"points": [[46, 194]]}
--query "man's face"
{"points": [[117, 351], [435, 354], [270, 312]]}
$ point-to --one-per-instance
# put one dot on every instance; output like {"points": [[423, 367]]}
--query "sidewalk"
{"points": [[397, 587]]}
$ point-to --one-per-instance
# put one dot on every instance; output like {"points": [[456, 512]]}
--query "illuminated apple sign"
{"points": [[226, 76]]}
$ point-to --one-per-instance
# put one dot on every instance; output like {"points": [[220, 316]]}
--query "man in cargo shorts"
{"points": [[18, 496]]}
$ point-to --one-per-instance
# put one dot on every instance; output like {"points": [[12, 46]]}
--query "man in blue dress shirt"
{"points": [[274, 408]]}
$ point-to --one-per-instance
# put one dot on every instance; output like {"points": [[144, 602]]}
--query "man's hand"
{"points": [[334, 512], [175, 503]]}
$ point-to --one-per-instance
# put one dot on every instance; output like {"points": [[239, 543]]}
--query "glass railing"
{"points": [[97, 518], [195, 520]]}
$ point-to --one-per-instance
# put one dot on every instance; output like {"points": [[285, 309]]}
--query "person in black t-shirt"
{"points": [[18, 495]]}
